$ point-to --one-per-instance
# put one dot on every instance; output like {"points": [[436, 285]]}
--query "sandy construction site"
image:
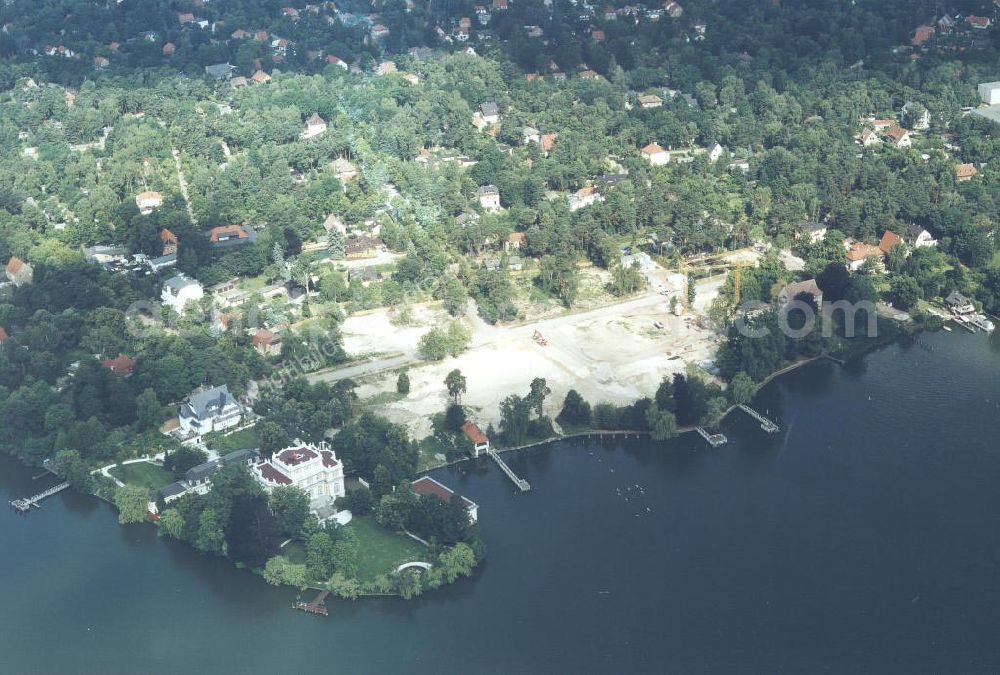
{"points": [[615, 353]]}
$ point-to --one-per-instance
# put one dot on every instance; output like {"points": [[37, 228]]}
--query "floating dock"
{"points": [[765, 424], [24, 505], [715, 440], [317, 606], [522, 484]]}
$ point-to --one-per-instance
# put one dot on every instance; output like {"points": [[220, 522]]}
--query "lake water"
{"points": [[862, 538]]}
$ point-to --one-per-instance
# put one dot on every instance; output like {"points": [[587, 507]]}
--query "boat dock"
{"points": [[522, 484], [715, 440], [24, 505], [765, 424], [317, 606]]}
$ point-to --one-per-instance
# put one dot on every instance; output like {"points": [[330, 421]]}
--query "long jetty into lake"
{"points": [[522, 484], [715, 440], [24, 505], [765, 424]]}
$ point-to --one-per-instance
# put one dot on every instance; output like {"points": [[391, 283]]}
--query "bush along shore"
{"points": [[681, 403]]}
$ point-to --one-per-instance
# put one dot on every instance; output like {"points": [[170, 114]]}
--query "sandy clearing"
{"points": [[612, 354]]}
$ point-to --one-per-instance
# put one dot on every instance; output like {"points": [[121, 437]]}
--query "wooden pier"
{"points": [[715, 440], [765, 424], [828, 357], [317, 606], [24, 505], [522, 484]]}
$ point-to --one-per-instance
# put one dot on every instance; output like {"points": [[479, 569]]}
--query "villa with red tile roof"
{"points": [[312, 468], [514, 242], [169, 240], [965, 172], [230, 235], [889, 239], [922, 35], [425, 486], [859, 252], [19, 272], [266, 343], [655, 155], [121, 365]]}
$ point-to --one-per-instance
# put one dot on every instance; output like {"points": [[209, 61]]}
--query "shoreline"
{"points": [[605, 433]]}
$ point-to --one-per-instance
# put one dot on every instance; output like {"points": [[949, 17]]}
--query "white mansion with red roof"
{"points": [[314, 469]]}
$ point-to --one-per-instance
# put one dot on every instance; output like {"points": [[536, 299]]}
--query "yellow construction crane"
{"points": [[737, 270]]}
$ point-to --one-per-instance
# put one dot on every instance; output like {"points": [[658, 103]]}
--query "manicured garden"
{"points": [[238, 440], [143, 474], [381, 551]]}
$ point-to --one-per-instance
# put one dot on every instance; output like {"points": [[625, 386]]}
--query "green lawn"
{"points": [[143, 474], [244, 438], [381, 551]]}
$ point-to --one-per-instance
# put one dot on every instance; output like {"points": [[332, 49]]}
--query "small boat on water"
{"points": [[947, 328]]}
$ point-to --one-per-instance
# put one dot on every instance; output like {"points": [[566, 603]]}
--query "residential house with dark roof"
{"points": [[220, 71], [808, 288], [213, 409], [959, 304], [179, 290], [919, 237], [362, 246], [489, 197]]}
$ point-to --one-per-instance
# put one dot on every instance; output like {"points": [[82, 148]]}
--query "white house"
{"points": [[490, 112], [584, 197], [148, 200], [315, 126], [918, 237], [899, 137], [921, 122], [715, 153], [990, 92], [816, 231], [314, 469], [178, 291], [650, 101], [426, 486], [869, 138], [959, 304], [655, 155], [208, 410], [489, 197], [19, 272]]}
